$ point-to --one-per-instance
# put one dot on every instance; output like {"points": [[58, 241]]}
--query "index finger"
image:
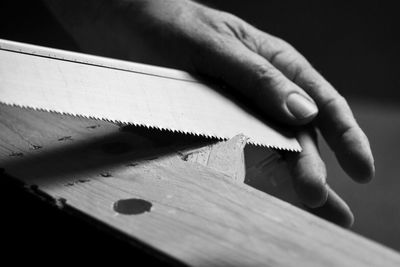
{"points": [[335, 119]]}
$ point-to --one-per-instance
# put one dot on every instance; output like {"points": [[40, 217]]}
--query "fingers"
{"points": [[347, 140], [335, 210], [308, 171], [335, 119], [256, 78], [283, 85], [309, 181]]}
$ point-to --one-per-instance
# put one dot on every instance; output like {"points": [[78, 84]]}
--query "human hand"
{"points": [[278, 80], [267, 70]]}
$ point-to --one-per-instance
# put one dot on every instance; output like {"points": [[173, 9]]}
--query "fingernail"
{"points": [[301, 107]]}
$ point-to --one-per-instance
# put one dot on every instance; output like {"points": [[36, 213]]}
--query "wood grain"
{"points": [[226, 157], [198, 215]]}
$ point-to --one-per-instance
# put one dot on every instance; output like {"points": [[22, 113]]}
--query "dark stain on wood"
{"points": [[80, 181], [65, 138], [35, 147], [16, 154], [132, 206], [93, 126]]}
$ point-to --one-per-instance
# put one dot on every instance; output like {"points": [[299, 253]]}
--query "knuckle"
{"points": [[308, 78], [224, 23], [351, 135], [345, 125], [334, 103], [269, 76], [282, 45], [293, 65], [341, 100], [279, 43], [232, 26], [228, 17], [269, 45], [349, 132], [287, 58], [310, 182]]}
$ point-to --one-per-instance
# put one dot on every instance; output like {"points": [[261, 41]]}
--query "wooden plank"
{"points": [[137, 183]]}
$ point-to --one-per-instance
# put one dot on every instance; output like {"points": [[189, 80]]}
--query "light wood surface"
{"points": [[142, 183]]}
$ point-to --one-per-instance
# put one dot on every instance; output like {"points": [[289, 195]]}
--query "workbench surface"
{"points": [[144, 187]]}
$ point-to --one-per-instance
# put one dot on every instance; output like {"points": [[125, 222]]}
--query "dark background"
{"points": [[354, 45]]}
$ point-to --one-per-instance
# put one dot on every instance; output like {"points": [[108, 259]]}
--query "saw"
{"points": [[124, 92]]}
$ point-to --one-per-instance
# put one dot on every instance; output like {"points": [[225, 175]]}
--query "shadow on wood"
{"points": [[198, 215]]}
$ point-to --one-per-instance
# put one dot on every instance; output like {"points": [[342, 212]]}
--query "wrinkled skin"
{"points": [[268, 71]]}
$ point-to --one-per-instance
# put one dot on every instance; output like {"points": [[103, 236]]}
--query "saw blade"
{"points": [[124, 92]]}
